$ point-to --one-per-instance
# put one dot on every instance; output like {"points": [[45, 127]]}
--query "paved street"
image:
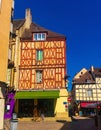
{"points": [[76, 124]]}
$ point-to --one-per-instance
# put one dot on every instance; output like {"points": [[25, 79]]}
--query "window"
{"points": [[39, 55], [89, 93], [39, 36], [0, 3], [38, 76], [8, 107]]}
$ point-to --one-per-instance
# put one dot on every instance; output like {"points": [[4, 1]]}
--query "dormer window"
{"points": [[39, 36]]}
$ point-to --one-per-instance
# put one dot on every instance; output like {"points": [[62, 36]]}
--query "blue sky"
{"points": [[78, 20]]}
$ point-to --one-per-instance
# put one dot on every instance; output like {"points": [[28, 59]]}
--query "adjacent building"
{"points": [[6, 13], [87, 90], [40, 61]]}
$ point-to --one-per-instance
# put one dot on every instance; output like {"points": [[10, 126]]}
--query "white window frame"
{"points": [[89, 92], [39, 36]]}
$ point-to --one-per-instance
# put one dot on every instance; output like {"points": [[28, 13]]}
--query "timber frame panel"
{"points": [[53, 64]]}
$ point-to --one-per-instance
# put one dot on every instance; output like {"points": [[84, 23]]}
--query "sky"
{"points": [[78, 20]]}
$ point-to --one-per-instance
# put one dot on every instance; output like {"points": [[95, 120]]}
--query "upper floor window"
{"points": [[39, 36], [89, 93], [39, 55], [38, 76]]}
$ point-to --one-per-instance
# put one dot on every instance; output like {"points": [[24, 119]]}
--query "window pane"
{"points": [[38, 76], [35, 36], [89, 93], [43, 36], [39, 36], [40, 55]]}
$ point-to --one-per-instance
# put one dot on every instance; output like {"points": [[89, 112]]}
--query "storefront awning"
{"points": [[36, 94], [88, 104]]}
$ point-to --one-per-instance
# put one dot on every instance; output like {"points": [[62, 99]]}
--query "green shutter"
{"points": [[39, 55]]}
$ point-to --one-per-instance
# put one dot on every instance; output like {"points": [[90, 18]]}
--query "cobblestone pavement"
{"points": [[51, 125], [76, 124]]}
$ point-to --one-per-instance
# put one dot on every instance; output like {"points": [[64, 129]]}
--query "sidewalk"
{"points": [[80, 117], [78, 123], [40, 125]]}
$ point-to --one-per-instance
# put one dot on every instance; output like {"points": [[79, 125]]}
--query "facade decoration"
{"points": [[40, 60]]}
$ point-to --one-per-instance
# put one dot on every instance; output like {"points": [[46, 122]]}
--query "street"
{"points": [[76, 124]]}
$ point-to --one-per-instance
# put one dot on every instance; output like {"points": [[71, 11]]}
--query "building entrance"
{"points": [[46, 107], [36, 107], [26, 108]]}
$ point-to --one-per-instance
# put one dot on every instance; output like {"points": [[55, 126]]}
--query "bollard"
{"points": [[14, 122]]}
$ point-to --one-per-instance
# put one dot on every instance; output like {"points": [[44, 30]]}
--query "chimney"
{"points": [[28, 18], [92, 68]]}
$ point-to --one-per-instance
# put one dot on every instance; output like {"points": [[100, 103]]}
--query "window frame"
{"points": [[89, 92], [39, 36], [40, 76]]}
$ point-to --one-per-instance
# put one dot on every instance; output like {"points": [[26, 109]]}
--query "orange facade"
{"points": [[52, 66]]}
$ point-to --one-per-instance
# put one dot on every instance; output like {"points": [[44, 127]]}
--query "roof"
{"points": [[97, 72], [88, 76], [34, 28], [17, 24]]}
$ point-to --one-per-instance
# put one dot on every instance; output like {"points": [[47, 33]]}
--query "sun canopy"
{"points": [[88, 104], [36, 94]]}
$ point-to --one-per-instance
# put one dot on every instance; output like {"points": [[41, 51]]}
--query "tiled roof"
{"points": [[17, 24], [97, 72], [34, 28], [87, 77]]}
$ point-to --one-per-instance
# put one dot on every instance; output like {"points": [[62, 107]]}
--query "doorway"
{"points": [[26, 108]]}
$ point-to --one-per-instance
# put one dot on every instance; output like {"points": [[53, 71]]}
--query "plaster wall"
{"points": [[5, 18], [60, 109]]}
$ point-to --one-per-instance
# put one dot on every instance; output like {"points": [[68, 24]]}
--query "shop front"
{"points": [[88, 108], [36, 103]]}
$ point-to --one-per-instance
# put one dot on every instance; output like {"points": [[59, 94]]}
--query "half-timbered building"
{"points": [[87, 89], [40, 60]]}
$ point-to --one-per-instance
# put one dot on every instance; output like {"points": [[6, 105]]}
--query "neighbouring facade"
{"points": [[6, 12], [40, 60], [87, 90]]}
